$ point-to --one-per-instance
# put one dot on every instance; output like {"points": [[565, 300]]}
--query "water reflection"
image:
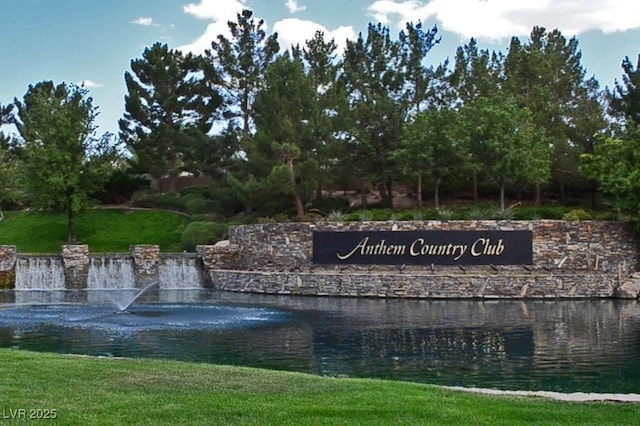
{"points": [[567, 346]]}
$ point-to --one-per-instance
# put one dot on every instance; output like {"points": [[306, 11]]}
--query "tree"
{"points": [[169, 111], [614, 163], [322, 68], [285, 143], [422, 84], [430, 149], [626, 95], [242, 61], [476, 74], [505, 138], [374, 86], [63, 160], [8, 172], [546, 77]]}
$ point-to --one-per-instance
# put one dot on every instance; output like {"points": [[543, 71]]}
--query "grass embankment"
{"points": [[85, 390], [103, 230]]}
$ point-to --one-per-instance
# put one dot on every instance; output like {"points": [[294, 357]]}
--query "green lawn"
{"points": [[87, 390], [103, 230]]}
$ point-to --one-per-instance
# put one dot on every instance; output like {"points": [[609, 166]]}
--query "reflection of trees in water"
{"points": [[412, 350]]}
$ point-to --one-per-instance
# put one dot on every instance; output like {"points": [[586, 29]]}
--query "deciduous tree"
{"points": [[64, 162]]}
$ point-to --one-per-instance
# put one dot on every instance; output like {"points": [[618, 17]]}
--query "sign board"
{"points": [[423, 247]]}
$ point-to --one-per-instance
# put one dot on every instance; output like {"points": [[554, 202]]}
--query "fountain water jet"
{"points": [[123, 306]]}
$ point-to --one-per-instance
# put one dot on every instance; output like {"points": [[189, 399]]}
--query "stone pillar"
{"points": [[146, 258], [8, 258], [76, 262]]}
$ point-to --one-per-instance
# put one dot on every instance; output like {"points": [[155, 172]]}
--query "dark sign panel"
{"points": [[423, 247]]}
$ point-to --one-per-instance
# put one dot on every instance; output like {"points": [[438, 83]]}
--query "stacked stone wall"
{"points": [[587, 259], [8, 258]]}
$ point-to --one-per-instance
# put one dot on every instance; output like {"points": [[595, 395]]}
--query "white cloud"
{"points": [[218, 11], [294, 31], [293, 6], [499, 19], [89, 84], [145, 22]]}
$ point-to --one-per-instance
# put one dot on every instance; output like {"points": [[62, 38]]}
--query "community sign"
{"points": [[423, 247]]}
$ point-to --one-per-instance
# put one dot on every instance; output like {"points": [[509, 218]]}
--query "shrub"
{"points": [[197, 233], [577, 215], [201, 206], [200, 191], [445, 214], [335, 216], [169, 201]]}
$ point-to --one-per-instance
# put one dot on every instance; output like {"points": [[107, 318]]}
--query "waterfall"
{"points": [[39, 273], [107, 273], [179, 272]]}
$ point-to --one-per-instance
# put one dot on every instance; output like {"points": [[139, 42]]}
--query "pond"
{"points": [[560, 345]]}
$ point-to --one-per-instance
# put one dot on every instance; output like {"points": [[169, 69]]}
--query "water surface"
{"points": [[566, 346]]}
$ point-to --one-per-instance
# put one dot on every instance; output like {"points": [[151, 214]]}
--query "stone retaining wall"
{"points": [[570, 260]]}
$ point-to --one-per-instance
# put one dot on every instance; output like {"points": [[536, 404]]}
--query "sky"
{"points": [[92, 42]]}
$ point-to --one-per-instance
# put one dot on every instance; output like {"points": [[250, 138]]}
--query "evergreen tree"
{"points": [[626, 95], [546, 76], [322, 68], [475, 75], [374, 85], [169, 111], [285, 142], [242, 61]]}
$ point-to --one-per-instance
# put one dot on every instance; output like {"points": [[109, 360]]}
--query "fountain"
{"points": [[123, 304]]}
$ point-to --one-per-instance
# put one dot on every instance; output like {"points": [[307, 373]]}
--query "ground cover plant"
{"points": [[87, 390]]}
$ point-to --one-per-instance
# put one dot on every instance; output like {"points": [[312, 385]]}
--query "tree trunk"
{"points": [[294, 189], [437, 193], [538, 200], [419, 194], [563, 195], [386, 193], [475, 186], [70, 237], [501, 195], [363, 195]]}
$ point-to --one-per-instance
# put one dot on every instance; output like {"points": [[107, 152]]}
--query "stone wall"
{"points": [[570, 260], [8, 258]]}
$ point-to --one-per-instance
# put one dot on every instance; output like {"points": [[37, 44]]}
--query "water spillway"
{"points": [[110, 272], [77, 269], [39, 273], [179, 272]]}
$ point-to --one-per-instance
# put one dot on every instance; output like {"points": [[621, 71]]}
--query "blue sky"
{"points": [[93, 41]]}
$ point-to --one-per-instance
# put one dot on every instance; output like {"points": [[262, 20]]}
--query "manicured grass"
{"points": [[104, 230], [86, 390]]}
